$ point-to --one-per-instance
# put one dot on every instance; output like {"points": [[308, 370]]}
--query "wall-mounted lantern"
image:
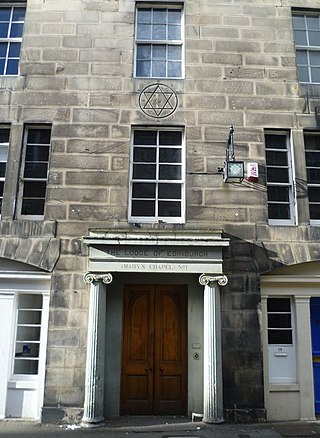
{"points": [[233, 170]]}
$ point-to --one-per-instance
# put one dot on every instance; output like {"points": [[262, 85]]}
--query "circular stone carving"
{"points": [[158, 101]]}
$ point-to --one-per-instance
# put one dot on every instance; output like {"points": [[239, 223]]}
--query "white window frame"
{"points": [[291, 176], [312, 134], [282, 356], [156, 218], [166, 42], [23, 179], [10, 40], [4, 150], [307, 48]]}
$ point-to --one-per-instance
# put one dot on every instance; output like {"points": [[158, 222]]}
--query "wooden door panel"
{"points": [[137, 361], [154, 360], [170, 395]]}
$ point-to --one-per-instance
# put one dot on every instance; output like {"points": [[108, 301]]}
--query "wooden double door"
{"points": [[154, 352]]}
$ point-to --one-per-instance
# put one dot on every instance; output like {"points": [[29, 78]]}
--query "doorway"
{"points": [[154, 350], [315, 336]]}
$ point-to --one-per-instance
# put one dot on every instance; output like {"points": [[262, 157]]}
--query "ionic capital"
{"points": [[206, 279], [91, 277]]}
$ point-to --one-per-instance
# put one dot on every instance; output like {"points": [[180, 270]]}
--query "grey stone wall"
{"points": [[76, 73]]}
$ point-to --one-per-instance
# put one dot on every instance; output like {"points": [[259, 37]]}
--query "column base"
{"points": [[90, 423], [213, 421]]}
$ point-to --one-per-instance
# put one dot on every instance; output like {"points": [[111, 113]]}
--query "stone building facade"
{"points": [[134, 278]]}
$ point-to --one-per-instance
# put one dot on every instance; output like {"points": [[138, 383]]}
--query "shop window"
{"points": [[312, 152], [281, 345], [11, 30], [306, 27], [27, 343], [159, 42], [279, 177], [157, 176], [34, 172]]}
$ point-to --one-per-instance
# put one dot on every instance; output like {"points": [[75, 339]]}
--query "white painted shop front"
{"points": [[290, 328], [146, 289], [24, 311]]}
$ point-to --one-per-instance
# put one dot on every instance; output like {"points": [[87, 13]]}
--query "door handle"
{"points": [[148, 369], [161, 369]]}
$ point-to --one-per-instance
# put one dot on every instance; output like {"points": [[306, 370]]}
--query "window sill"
{"points": [[284, 387]]}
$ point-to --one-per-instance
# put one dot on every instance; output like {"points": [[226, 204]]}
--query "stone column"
{"points": [[95, 365], [212, 358]]}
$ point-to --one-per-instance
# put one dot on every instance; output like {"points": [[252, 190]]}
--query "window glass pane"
{"points": [[145, 137], [1, 189], [147, 155], [5, 14], [14, 50], [174, 69], [302, 57], [144, 68], [312, 142], [18, 14], [275, 141], [313, 159], [169, 191], [277, 158], [174, 52], [278, 320], [143, 190], [315, 74], [4, 29], [144, 171], [159, 69], [32, 207], [12, 67], [170, 155], [298, 22], [25, 366], [314, 211], [303, 74], [37, 153], [276, 193], [312, 22], [2, 169], [313, 176], [280, 337], [26, 333], [174, 16], [144, 51], [314, 38], [170, 138], [314, 194], [35, 170], [300, 37], [169, 172], [160, 16], [144, 15], [314, 58], [174, 32], [29, 317], [143, 208], [16, 30], [144, 32], [278, 211], [39, 136], [169, 209], [34, 189], [3, 50], [278, 305], [159, 52], [279, 175], [159, 32], [4, 135]]}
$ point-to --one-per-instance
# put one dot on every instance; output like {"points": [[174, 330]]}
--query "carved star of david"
{"points": [[158, 101]]}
